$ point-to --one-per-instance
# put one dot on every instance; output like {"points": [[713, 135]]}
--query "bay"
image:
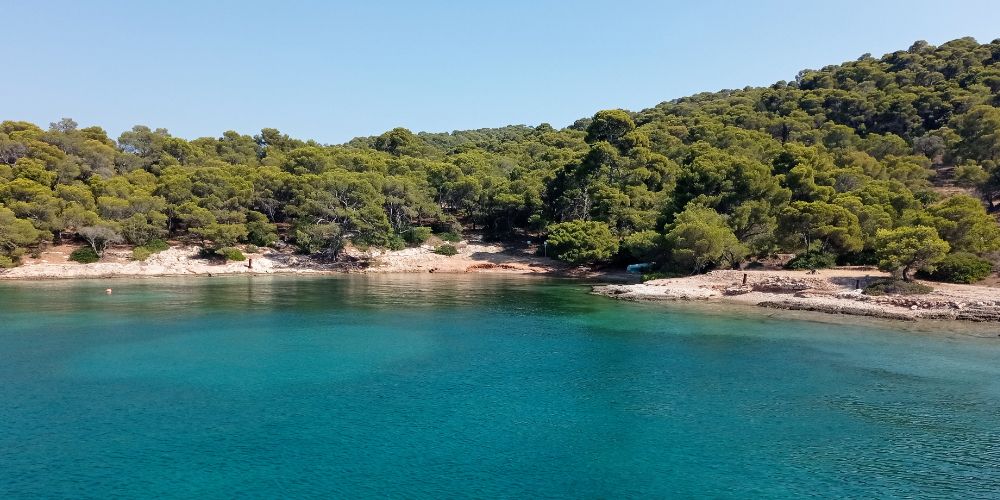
{"points": [[430, 386]]}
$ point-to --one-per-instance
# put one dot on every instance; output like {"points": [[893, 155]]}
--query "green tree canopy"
{"points": [[905, 250], [700, 238], [582, 242]]}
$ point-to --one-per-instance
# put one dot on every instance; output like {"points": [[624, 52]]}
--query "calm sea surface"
{"points": [[440, 387]]}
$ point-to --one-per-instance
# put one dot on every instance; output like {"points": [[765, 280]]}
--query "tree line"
{"points": [[892, 160]]}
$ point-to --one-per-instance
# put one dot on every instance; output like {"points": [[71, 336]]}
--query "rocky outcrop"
{"points": [[837, 309], [785, 284], [829, 291], [646, 291]]}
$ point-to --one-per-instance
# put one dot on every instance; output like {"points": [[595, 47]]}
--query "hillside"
{"points": [[839, 163]]}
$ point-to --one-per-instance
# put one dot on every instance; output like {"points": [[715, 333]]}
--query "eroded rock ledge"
{"points": [[833, 291]]}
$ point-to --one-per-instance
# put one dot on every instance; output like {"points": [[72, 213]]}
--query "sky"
{"points": [[331, 71]]}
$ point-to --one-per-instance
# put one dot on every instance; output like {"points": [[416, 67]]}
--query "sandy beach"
{"points": [[834, 291], [472, 257]]}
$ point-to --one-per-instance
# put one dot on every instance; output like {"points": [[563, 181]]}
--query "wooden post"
{"points": [[744, 278]]}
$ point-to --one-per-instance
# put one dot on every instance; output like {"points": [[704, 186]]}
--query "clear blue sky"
{"points": [[331, 71]]}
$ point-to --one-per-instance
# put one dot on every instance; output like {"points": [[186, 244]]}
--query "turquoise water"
{"points": [[443, 387]]}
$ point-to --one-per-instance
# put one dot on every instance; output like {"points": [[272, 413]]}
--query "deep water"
{"points": [[429, 386]]}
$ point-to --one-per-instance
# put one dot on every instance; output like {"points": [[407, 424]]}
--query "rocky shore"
{"points": [[834, 291]]}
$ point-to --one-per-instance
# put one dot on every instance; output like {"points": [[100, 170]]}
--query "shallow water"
{"points": [[444, 386]]}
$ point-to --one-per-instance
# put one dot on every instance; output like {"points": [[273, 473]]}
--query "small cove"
{"points": [[481, 386]]}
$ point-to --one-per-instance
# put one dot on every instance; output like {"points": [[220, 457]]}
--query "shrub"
{"points": [[230, 253], [446, 250], [450, 236], [961, 267], [395, 242], [260, 231], [251, 248], [657, 275], [812, 260], [157, 245], [417, 235], [84, 255], [326, 239], [141, 253], [896, 287], [7, 262]]}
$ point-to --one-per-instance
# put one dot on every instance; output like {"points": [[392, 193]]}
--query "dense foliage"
{"points": [[907, 249], [84, 255], [812, 260], [896, 287], [582, 242], [961, 267], [447, 250], [824, 163]]}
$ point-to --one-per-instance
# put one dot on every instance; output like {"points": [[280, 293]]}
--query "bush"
{"points": [[141, 253], [326, 239], [812, 260], [395, 243], [450, 236], [84, 255], [960, 267], [260, 231], [230, 253], [251, 249], [658, 275], [157, 245], [447, 250], [896, 287], [417, 235], [7, 262]]}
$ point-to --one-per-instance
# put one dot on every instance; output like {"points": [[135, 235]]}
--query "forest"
{"points": [[891, 161]]}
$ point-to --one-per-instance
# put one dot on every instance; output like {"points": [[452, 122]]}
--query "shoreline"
{"points": [[830, 291], [180, 261], [750, 312]]}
